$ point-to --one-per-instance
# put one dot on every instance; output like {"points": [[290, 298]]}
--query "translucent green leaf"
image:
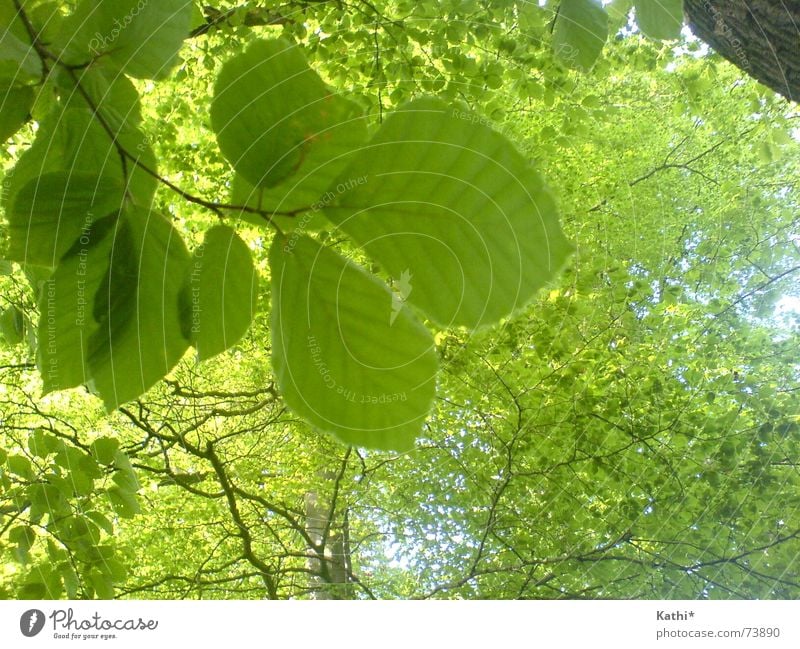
{"points": [[110, 314], [459, 219], [660, 19], [101, 521], [104, 449], [19, 61], [48, 498], [72, 140], [580, 32], [348, 355], [114, 569], [102, 584], [81, 483], [12, 325], [124, 503], [223, 288], [15, 110], [33, 590], [23, 537], [126, 481], [41, 443], [53, 584], [112, 93], [141, 37], [70, 579], [125, 476], [280, 126], [287, 197], [50, 213], [618, 11], [138, 339], [66, 306], [20, 465]]}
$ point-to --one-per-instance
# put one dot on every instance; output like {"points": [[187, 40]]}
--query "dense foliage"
{"points": [[631, 432]]}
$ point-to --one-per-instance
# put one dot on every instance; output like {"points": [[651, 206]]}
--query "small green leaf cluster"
{"points": [[63, 502]]}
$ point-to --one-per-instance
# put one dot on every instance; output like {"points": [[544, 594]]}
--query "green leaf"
{"points": [[139, 338], [101, 521], [110, 313], [140, 36], [44, 16], [70, 139], [50, 213], [48, 499], [23, 537], [81, 470], [41, 443], [20, 465], [580, 33], [223, 289], [124, 503], [126, 481], [19, 61], [618, 11], [125, 476], [660, 19], [15, 110], [114, 569], [104, 450], [70, 579], [112, 93], [12, 325], [33, 590], [293, 194], [348, 355], [66, 306], [450, 204], [101, 583], [52, 584], [280, 126]]}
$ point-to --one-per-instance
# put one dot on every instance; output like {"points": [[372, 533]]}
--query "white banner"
{"points": [[445, 624]]}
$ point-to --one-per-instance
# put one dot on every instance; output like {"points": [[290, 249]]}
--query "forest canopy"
{"points": [[393, 299]]}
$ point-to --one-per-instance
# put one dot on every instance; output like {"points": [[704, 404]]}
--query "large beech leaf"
{"points": [[222, 290], [661, 19], [348, 355], [139, 338], [50, 213], [450, 205], [280, 126], [580, 32], [66, 308], [73, 141], [142, 37]]}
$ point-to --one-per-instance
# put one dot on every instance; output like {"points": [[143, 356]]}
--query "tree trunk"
{"points": [[761, 37], [330, 558]]}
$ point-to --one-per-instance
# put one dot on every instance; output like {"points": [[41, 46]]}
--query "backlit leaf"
{"points": [[348, 355], [450, 202]]}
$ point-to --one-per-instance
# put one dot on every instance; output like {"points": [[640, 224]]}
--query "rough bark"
{"points": [[761, 37]]}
